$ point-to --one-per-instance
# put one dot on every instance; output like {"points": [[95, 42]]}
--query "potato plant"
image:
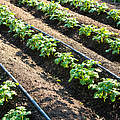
{"points": [[84, 72], [17, 26], [107, 88], [19, 113], [66, 60], [31, 3], [20, 29], [87, 29], [6, 16], [44, 44], [6, 91], [115, 14], [102, 35], [114, 46]]}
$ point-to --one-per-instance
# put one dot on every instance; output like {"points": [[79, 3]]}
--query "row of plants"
{"points": [[54, 11], [101, 35], [7, 93], [92, 6], [86, 72]]}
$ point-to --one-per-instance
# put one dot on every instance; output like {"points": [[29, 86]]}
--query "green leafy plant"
{"points": [[46, 45], [6, 92], [71, 22], [6, 16], [93, 6], [29, 2], [17, 26], [114, 13], [101, 8], [84, 72], [19, 113], [85, 5], [66, 60], [114, 46], [107, 88], [20, 29], [87, 29], [55, 11], [102, 35]]}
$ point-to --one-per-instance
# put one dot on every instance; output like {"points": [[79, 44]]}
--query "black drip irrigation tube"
{"points": [[81, 54], [27, 95]]}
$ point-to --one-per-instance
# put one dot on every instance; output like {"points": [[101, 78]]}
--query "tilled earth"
{"points": [[60, 100]]}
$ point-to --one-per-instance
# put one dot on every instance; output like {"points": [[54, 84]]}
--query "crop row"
{"points": [[7, 93], [92, 6], [86, 72], [101, 35]]}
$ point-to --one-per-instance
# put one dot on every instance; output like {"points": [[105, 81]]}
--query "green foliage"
{"points": [[66, 60], [85, 72], [6, 16], [20, 29], [32, 3], [101, 7], [6, 92], [46, 45], [17, 26], [87, 29], [114, 13], [102, 35], [107, 88], [19, 113], [94, 6], [86, 5], [114, 46], [116, 1], [71, 22], [55, 11]]}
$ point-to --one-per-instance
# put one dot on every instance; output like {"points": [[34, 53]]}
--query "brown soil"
{"points": [[38, 76]]}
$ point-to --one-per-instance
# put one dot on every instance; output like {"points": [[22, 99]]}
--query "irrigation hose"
{"points": [[27, 94]]}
